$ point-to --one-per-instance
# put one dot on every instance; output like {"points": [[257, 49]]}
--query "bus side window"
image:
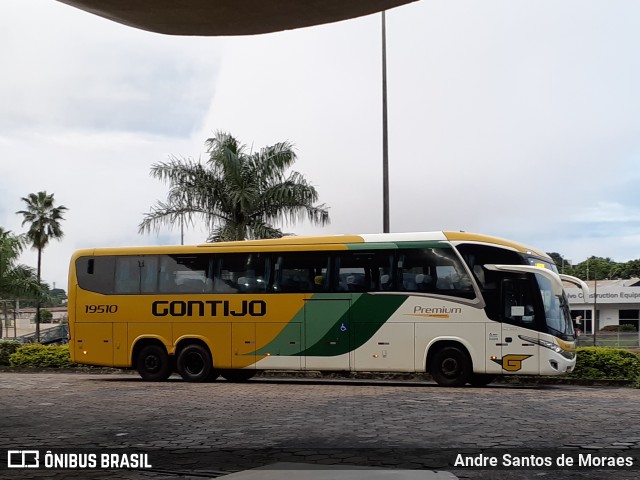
{"points": [[416, 271], [149, 274], [183, 273], [434, 270], [96, 274], [127, 274], [300, 272], [166, 283], [364, 271], [385, 282], [241, 273], [193, 285]]}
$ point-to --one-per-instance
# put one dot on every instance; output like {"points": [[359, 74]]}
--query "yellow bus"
{"points": [[462, 307]]}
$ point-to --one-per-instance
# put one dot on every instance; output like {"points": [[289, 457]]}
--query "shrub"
{"points": [[7, 347], [619, 328], [36, 355], [596, 363]]}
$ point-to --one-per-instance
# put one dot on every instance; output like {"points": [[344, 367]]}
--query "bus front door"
{"points": [[519, 354], [327, 333]]}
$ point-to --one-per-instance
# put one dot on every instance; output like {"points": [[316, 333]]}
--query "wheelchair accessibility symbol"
{"points": [[344, 327]]}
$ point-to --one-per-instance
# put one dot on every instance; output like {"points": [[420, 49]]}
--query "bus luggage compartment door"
{"points": [[93, 343], [327, 332], [243, 345]]}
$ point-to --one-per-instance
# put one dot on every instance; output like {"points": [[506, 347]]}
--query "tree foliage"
{"points": [[7, 348], [239, 194], [601, 268], [43, 219], [16, 280]]}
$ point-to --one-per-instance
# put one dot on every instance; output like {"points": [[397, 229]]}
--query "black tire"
{"points": [[481, 379], [194, 363], [153, 363], [451, 367], [237, 375]]}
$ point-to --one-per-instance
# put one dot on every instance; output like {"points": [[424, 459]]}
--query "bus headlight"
{"points": [[570, 355]]}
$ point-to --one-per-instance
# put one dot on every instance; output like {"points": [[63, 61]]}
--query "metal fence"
{"points": [[611, 339], [58, 335]]}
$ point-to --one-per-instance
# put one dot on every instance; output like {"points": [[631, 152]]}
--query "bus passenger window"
{"points": [[434, 270], [183, 273], [96, 274], [362, 271], [128, 274], [241, 273], [149, 274], [424, 283], [301, 272]]}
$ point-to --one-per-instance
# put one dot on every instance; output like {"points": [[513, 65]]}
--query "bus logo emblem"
{"points": [[511, 363]]}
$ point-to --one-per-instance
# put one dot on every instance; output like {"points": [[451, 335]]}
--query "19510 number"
{"points": [[100, 308]]}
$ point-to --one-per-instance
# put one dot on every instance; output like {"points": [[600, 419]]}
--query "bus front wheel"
{"points": [[153, 363], [194, 363], [450, 367]]}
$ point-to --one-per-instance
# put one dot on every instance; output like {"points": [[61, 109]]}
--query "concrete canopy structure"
{"points": [[229, 17]]}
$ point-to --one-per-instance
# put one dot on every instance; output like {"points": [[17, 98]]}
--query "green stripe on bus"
{"points": [[334, 324], [372, 246], [356, 326], [431, 244], [326, 309], [282, 342]]}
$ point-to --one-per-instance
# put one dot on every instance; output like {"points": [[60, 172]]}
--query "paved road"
{"points": [[205, 430]]}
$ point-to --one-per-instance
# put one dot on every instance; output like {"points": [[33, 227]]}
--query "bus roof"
{"points": [[456, 237], [327, 242]]}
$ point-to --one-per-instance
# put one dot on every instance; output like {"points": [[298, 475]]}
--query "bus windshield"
{"points": [[539, 262], [556, 310]]}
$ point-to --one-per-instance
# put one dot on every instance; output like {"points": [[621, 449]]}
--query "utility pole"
{"points": [[595, 305], [182, 229], [385, 138]]}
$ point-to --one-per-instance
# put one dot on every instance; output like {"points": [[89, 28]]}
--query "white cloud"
{"points": [[66, 69]]}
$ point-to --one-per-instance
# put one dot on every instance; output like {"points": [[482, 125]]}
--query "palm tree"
{"points": [[15, 279], [44, 224], [238, 194]]}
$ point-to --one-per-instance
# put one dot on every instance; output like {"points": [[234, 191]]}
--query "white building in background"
{"points": [[616, 301], [22, 322]]}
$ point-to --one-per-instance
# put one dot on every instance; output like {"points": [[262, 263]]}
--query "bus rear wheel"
{"points": [[153, 363], [237, 375], [194, 363], [450, 367]]}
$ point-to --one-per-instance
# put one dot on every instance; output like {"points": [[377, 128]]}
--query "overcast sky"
{"points": [[516, 119]]}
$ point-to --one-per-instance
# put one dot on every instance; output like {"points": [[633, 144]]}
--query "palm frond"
{"points": [[237, 194]]}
